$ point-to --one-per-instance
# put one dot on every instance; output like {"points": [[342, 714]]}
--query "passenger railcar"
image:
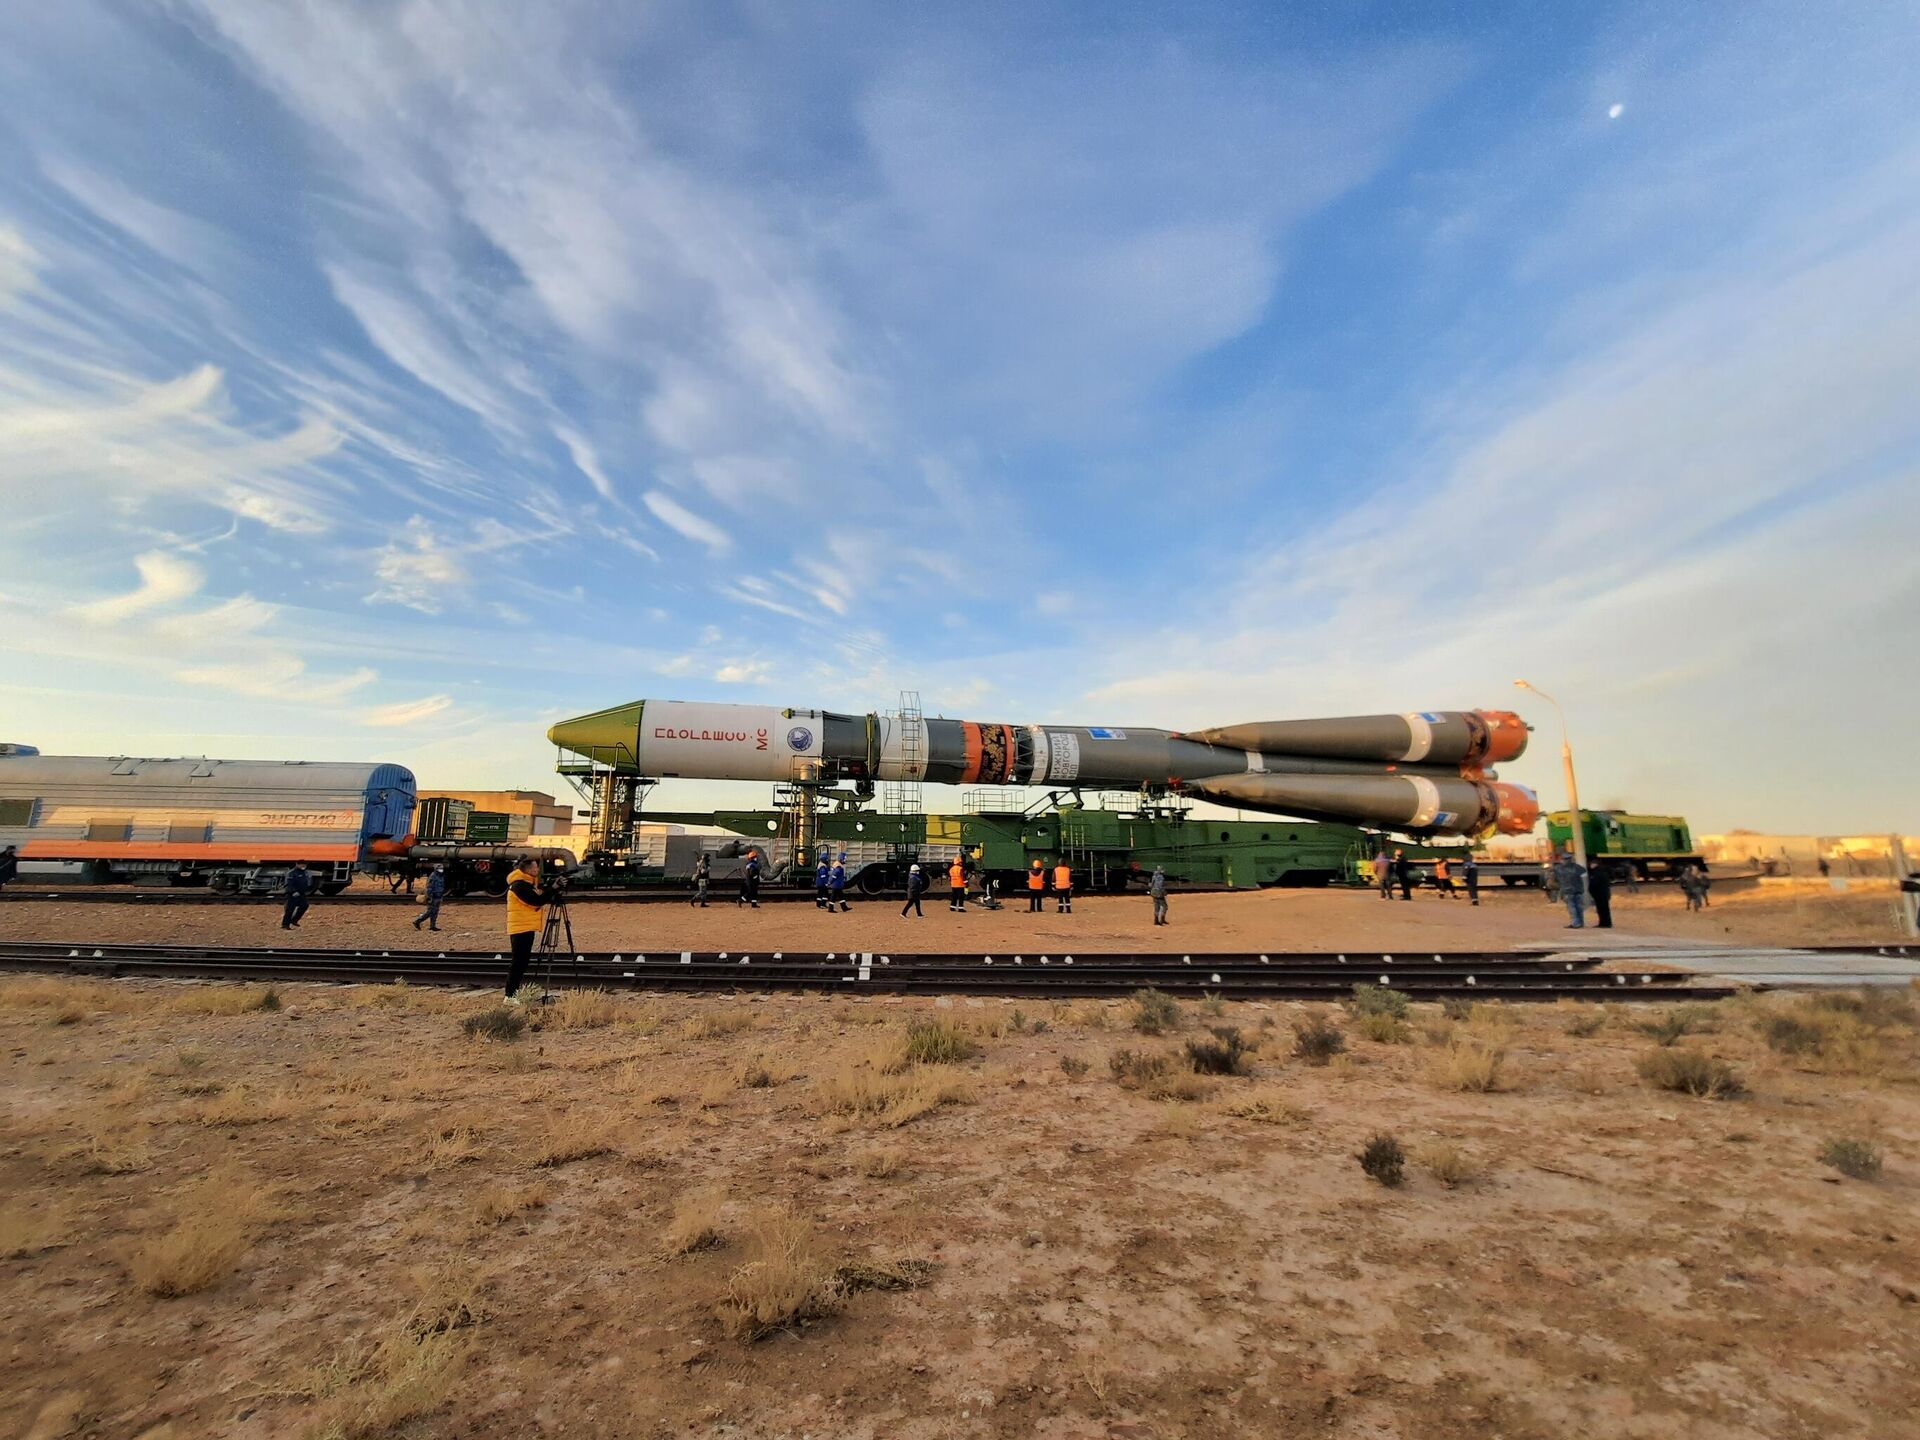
{"points": [[231, 824]]}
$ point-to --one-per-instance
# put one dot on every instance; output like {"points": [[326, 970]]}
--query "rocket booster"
{"points": [[1422, 770]]}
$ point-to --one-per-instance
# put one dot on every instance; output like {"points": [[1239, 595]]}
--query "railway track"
{"points": [[1425, 976], [188, 895]]}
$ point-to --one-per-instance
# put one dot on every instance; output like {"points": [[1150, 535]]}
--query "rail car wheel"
{"points": [[332, 887]]}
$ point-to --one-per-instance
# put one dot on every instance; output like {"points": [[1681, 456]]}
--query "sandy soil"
{"points": [[1770, 913], [355, 1173]]}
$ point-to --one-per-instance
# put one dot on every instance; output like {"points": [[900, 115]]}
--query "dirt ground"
{"points": [[1760, 913], [345, 1217]]}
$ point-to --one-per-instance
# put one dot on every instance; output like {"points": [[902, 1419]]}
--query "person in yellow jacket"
{"points": [[1036, 887], [1063, 887], [525, 906], [957, 885]]}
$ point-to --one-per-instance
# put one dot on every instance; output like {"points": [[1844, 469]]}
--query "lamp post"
{"points": [[1573, 790]]}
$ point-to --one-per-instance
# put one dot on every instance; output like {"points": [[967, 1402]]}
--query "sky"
{"points": [[386, 381]]}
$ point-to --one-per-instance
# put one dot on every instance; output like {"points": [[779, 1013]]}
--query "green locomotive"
{"points": [[1645, 847]]}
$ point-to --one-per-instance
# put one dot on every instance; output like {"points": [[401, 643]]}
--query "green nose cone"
{"points": [[607, 737]]}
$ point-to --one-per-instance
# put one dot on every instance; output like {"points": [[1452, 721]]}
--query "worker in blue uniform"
{"points": [[837, 886], [298, 885]]}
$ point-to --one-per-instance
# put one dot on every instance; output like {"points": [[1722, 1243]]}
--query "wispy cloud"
{"points": [[164, 578], [698, 528], [408, 712]]}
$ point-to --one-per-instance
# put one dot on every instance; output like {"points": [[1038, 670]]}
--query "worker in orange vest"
{"points": [[957, 885], [1036, 887], [1063, 886]]}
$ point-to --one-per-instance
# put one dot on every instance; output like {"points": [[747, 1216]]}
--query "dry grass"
{"points": [[760, 1072], [1585, 1021], [1154, 1012], [575, 1134], [225, 1000], [580, 1010], [240, 1106], [500, 1022], [1317, 1040], [370, 1392], [882, 1164], [107, 1149], [59, 994], [863, 1093], [1157, 1075], [695, 1222], [1447, 1163], [1266, 1108], [1382, 1027], [718, 1024], [197, 1252], [1689, 1072], [446, 1147], [1084, 1015], [446, 1297], [937, 1042], [783, 1283], [1471, 1065], [498, 1204], [27, 1230]]}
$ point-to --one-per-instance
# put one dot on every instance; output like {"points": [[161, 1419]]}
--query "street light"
{"points": [[1573, 790]]}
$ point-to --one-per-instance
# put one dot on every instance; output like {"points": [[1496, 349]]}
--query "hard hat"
{"points": [[915, 869]]}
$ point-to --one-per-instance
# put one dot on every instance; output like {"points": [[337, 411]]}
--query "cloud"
{"points": [[278, 677], [742, 672], [418, 570], [164, 579], [408, 712], [675, 516], [410, 339], [162, 229], [586, 461]]}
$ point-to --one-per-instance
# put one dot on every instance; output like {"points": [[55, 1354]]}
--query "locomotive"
{"points": [[232, 825]]}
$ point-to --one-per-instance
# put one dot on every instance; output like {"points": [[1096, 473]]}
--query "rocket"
{"points": [[1425, 771]]}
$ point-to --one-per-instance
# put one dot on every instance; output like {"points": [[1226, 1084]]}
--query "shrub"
{"points": [[372, 1391], [1212, 1003], [1225, 1054], [1155, 1012], [502, 1022], [1587, 1022], [1317, 1039], [884, 1163], [1073, 1065], [1379, 1000], [1448, 1163], [938, 1042], [695, 1224], [1791, 1035], [1384, 1161], [1467, 1065], [197, 1253], [1669, 1027], [1854, 1157], [1873, 1005], [1157, 1076], [1380, 1026], [1455, 1008], [1690, 1072], [782, 1283]]}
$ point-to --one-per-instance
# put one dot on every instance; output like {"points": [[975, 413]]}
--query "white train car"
{"points": [[231, 824]]}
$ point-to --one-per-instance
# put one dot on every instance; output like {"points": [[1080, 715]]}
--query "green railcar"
{"points": [[1649, 847], [1108, 849]]}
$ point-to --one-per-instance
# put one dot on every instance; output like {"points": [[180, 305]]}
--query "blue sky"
{"points": [[386, 381]]}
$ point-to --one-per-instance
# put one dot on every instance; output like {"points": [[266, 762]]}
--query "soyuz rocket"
{"points": [[1425, 771]]}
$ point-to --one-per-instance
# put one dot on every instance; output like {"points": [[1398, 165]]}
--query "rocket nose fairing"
{"points": [[1424, 770]]}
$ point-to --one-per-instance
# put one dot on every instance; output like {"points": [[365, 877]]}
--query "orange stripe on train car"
{"points": [[182, 850]]}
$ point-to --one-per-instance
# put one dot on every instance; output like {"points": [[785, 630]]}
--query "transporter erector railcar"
{"points": [[231, 824]]}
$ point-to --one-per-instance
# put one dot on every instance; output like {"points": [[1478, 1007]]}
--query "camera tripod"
{"points": [[558, 925]]}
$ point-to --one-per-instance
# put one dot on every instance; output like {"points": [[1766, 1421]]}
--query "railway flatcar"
{"points": [[233, 825]]}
